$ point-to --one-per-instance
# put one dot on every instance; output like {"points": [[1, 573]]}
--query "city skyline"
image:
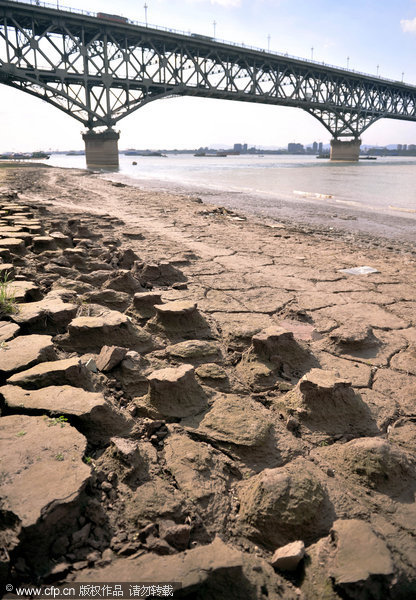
{"points": [[327, 32]]}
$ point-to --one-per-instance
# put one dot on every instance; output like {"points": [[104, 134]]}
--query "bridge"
{"points": [[100, 68]]}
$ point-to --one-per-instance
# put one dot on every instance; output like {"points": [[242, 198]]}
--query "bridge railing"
{"points": [[59, 6]]}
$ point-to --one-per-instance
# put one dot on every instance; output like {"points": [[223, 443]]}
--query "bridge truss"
{"points": [[99, 71]]}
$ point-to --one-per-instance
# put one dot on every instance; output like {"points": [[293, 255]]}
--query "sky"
{"points": [[367, 35]]}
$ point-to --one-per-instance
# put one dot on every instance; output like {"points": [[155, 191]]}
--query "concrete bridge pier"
{"points": [[101, 149], [346, 151]]}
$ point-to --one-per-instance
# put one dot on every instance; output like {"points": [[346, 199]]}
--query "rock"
{"points": [[126, 449], [15, 246], [50, 315], [76, 256], [353, 334], [97, 419], [123, 281], [155, 499], [109, 298], [288, 557], [96, 278], [174, 393], [24, 291], [236, 420], [196, 350], [180, 318], [144, 303], [273, 352], [203, 473], [279, 505], [61, 240], [362, 560], [48, 462], [90, 334], [276, 341], [324, 402], [7, 272], [23, 352], [110, 357], [163, 273], [176, 535], [216, 570], [211, 371], [127, 259], [373, 463], [8, 330], [42, 243], [131, 373], [69, 371]]}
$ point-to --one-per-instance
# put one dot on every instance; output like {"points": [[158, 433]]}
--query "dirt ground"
{"points": [[300, 417]]}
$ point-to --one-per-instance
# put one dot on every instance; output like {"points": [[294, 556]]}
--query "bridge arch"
{"points": [[99, 71]]}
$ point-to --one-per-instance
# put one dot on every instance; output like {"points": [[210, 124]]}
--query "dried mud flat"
{"points": [[188, 395]]}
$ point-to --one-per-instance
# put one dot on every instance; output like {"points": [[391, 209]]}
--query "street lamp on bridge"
{"points": [[145, 13]]}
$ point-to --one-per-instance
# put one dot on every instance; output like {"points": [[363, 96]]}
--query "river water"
{"points": [[377, 196]]}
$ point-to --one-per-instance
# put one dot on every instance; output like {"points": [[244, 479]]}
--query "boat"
{"points": [[138, 153], [367, 157]]}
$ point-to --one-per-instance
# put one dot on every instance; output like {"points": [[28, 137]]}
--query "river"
{"points": [[373, 196]]}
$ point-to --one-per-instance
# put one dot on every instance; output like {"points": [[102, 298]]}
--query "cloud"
{"points": [[408, 25]]}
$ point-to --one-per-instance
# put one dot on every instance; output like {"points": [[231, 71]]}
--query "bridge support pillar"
{"points": [[101, 149], [347, 151]]}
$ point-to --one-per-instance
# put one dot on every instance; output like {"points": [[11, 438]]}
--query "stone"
{"points": [[123, 281], [42, 243], [110, 357], [276, 341], [373, 463], [48, 462], [90, 334], [24, 352], [24, 291], [76, 257], [109, 298], [22, 235], [202, 473], [7, 271], [236, 420], [216, 570], [279, 505], [287, 558], [144, 303], [211, 371], [68, 371], [176, 535], [172, 393], [196, 350], [8, 330], [50, 315], [15, 246], [361, 558], [127, 259], [180, 318], [324, 402], [96, 278], [61, 240]]}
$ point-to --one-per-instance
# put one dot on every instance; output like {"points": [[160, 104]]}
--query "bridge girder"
{"points": [[98, 72]]}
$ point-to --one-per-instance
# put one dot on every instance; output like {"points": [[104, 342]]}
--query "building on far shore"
{"points": [[293, 148]]}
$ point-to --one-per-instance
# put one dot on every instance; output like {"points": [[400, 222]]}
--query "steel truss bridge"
{"points": [[99, 70]]}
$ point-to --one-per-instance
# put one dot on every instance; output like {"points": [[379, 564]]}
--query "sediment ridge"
{"points": [[190, 395]]}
